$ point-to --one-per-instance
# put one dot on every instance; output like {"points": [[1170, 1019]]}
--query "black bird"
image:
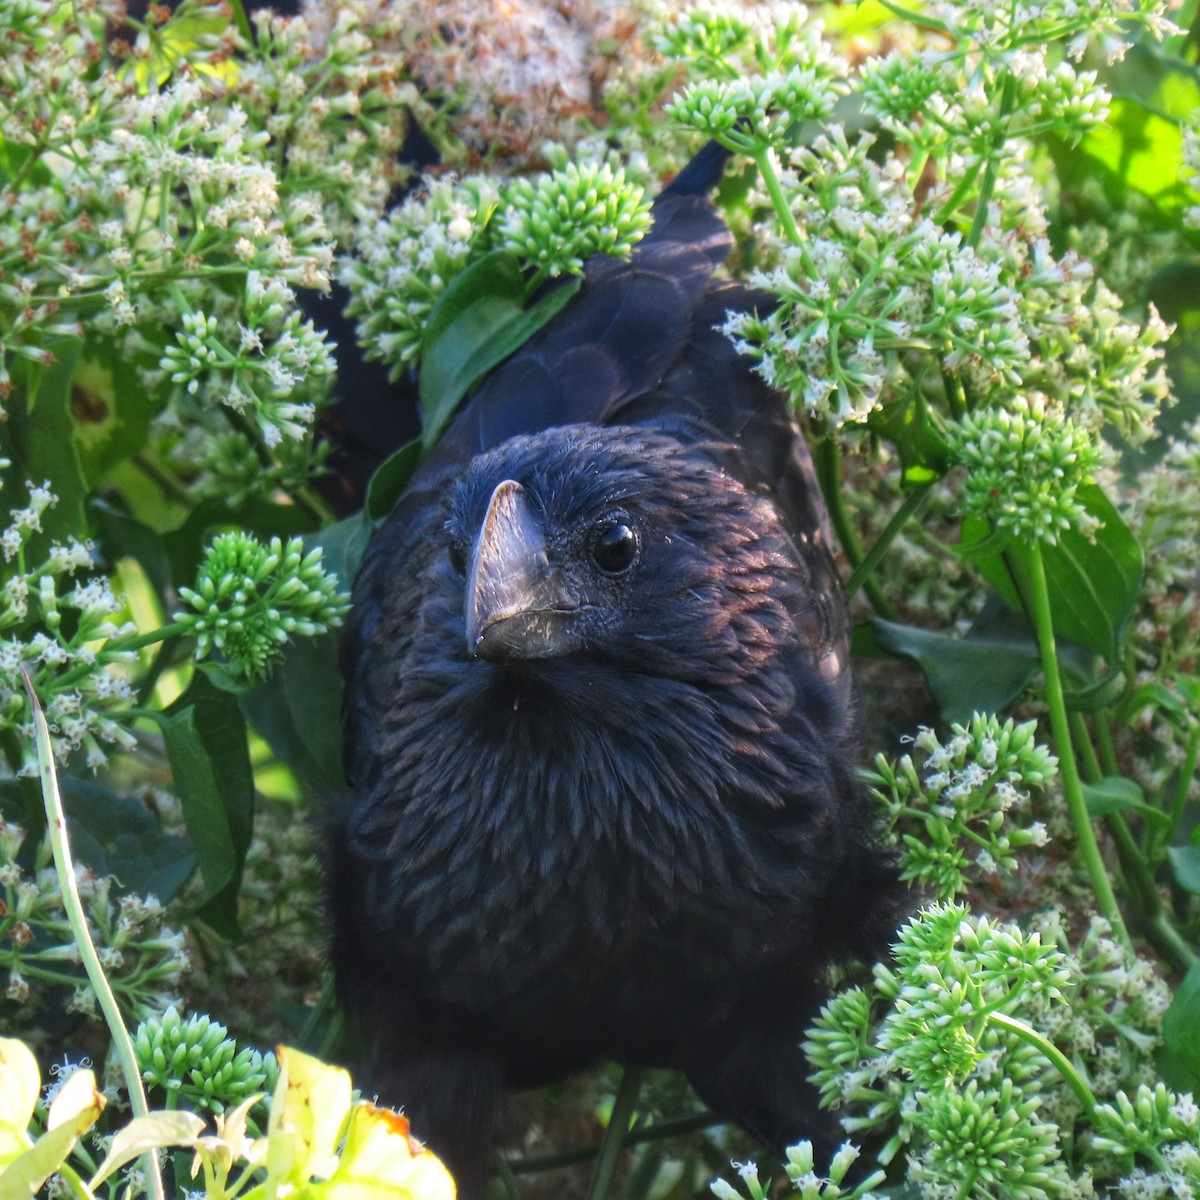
{"points": [[599, 727]]}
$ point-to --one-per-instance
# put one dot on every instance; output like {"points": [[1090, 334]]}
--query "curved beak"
{"points": [[516, 607]]}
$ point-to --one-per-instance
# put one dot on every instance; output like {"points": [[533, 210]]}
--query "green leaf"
{"points": [[477, 322], [923, 451], [112, 412], [117, 835], [1093, 585], [185, 545], [391, 478], [343, 546], [1138, 148], [298, 713], [1185, 866], [123, 536], [43, 446], [205, 736], [965, 675], [1115, 793], [1181, 1027]]}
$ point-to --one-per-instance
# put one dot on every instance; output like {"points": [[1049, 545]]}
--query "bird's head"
{"points": [[617, 544]]}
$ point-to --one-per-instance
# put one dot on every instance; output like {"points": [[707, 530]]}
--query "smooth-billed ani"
{"points": [[598, 724]]}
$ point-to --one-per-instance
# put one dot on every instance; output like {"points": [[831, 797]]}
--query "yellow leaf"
{"points": [[21, 1179], [148, 1133], [381, 1159], [77, 1094], [20, 1082], [308, 1113]]}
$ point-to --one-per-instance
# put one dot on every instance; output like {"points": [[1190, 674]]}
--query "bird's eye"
{"points": [[615, 548]]}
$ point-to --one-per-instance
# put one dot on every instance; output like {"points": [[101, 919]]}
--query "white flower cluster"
{"points": [[1002, 27], [404, 262], [235, 174], [873, 277], [143, 957], [268, 363], [56, 627], [965, 808]]}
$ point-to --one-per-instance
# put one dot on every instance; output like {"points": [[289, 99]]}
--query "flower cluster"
{"points": [[939, 1067], [552, 222], [277, 355], [1111, 1021], [193, 207], [800, 1170], [954, 1049], [404, 261], [1025, 465], [250, 598], [65, 629], [195, 1061], [143, 958], [560, 218], [960, 808]]}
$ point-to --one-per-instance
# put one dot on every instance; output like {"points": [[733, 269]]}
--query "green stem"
{"points": [[615, 1134], [914, 502], [1108, 751], [829, 473], [1170, 943], [1133, 863], [956, 398], [1061, 1063], [1187, 772], [988, 183], [65, 866], [770, 178], [1038, 594]]}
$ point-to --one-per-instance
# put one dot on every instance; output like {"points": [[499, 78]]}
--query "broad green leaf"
{"points": [[121, 535], [477, 322], [1093, 585], [1114, 794], [1181, 1029], [965, 676], [20, 1083], [117, 835], [343, 546], [298, 713], [205, 736], [1185, 866], [391, 479], [151, 1132]]}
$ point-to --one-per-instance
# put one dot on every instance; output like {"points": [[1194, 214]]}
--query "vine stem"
{"points": [[1030, 555], [65, 866]]}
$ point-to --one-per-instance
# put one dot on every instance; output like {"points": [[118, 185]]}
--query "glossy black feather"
{"points": [[644, 843]]}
